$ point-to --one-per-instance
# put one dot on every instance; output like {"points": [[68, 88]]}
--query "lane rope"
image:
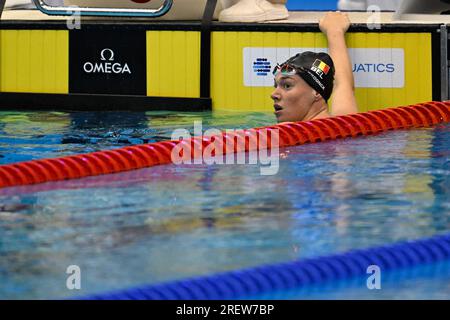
{"points": [[285, 276], [289, 134]]}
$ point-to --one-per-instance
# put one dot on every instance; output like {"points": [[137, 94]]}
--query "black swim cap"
{"points": [[317, 69]]}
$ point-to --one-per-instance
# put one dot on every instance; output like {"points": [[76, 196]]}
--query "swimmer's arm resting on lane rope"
{"points": [[343, 101]]}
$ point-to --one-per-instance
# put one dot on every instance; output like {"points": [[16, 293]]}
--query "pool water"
{"points": [[170, 222]]}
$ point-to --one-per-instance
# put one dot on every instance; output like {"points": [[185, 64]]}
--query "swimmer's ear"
{"points": [[317, 96]]}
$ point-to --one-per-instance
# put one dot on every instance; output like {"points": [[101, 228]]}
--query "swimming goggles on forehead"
{"points": [[287, 70]]}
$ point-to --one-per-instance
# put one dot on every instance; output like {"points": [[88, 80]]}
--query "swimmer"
{"points": [[305, 82]]}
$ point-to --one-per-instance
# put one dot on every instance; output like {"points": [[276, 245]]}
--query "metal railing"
{"points": [[105, 12], [2, 5]]}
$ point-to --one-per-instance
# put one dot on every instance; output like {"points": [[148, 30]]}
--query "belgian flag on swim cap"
{"points": [[317, 69], [322, 66]]}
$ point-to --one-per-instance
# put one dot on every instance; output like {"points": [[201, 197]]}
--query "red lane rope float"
{"points": [[290, 134]]}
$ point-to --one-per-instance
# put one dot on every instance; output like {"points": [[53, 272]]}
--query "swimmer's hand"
{"points": [[334, 22], [343, 101]]}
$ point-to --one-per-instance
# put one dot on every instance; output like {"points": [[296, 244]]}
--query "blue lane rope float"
{"points": [[271, 278]]}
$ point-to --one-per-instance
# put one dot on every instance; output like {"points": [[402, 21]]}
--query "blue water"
{"points": [[170, 222]]}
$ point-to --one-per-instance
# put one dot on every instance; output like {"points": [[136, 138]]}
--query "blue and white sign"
{"points": [[372, 68], [262, 67]]}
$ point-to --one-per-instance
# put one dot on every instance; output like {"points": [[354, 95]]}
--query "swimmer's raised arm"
{"points": [[334, 25]]}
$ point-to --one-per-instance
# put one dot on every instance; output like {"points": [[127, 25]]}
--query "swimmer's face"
{"points": [[292, 98]]}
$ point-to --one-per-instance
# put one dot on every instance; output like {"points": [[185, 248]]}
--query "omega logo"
{"points": [[102, 54], [107, 65]]}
